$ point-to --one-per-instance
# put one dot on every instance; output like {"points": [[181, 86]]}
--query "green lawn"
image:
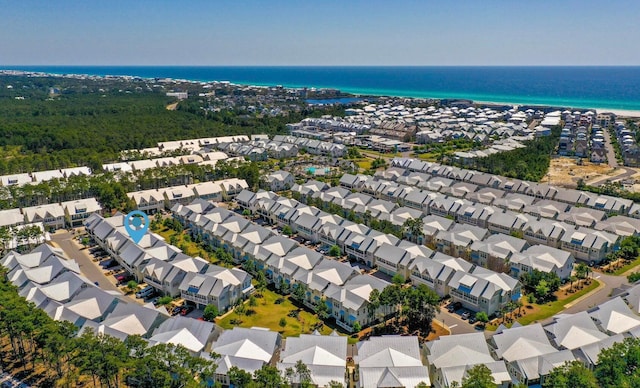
{"points": [[190, 248], [627, 267], [548, 309], [364, 164], [428, 156], [268, 314]]}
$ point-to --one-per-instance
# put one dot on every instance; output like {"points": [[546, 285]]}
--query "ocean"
{"points": [[615, 88]]}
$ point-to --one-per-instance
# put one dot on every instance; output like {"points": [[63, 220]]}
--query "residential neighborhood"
{"points": [[358, 251]]}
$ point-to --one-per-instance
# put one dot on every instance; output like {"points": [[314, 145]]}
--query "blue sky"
{"points": [[326, 32]]}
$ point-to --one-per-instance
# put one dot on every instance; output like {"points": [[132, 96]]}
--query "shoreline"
{"points": [[364, 92]]}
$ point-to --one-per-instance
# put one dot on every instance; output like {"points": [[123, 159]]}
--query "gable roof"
{"points": [[522, 342], [573, 331]]}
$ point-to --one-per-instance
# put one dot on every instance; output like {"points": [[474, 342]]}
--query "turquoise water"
{"points": [[346, 100], [312, 170], [581, 87]]}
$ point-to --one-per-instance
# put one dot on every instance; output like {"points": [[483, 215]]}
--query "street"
{"points": [[89, 269]]}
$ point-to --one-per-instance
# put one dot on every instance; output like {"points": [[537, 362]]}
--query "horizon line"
{"points": [[307, 66]]}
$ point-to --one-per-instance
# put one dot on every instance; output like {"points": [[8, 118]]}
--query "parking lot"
{"points": [[457, 319]]}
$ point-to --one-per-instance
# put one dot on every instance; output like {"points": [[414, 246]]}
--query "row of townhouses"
{"points": [[587, 233], [51, 281], [517, 355], [286, 263], [167, 269], [608, 204], [157, 200], [527, 354], [477, 288], [490, 248], [52, 216], [42, 176]]}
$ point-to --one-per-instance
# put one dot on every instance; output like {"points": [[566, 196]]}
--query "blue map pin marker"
{"points": [[136, 224]]}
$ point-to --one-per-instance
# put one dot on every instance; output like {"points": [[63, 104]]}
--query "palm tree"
{"points": [[581, 271], [413, 227]]}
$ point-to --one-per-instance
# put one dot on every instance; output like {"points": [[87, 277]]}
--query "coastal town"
{"points": [[374, 242]]}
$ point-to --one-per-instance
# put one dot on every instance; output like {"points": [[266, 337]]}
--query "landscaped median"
{"points": [[540, 312]]}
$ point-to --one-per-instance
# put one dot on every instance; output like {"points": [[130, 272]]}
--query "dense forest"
{"points": [[51, 123], [529, 163]]}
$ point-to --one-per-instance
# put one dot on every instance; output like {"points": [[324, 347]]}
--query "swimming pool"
{"points": [[312, 170]]}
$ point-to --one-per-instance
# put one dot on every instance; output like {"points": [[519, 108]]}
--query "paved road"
{"points": [[602, 295], [613, 163], [628, 172], [454, 323], [89, 269], [608, 146]]}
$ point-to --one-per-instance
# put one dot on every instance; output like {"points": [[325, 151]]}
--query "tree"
{"points": [[267, 376], [356, 327], [299, 291], [165, 300], [261, 281], [413, 228], [618, 366], [335, 384], [633, 277], [482, 316], [542, 290], [132, 286], [303, 374], [335, 251], [5, 236], [581, 271], [287, 231], [224, 256], [570, 375], [210, 313], [238, 377], [398, 279], [322, 309], [478, 377]]}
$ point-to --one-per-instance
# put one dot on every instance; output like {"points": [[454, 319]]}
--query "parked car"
{"points": [[465, 315], [186, 310], [155, 300], [453, 306], [144, 292]]}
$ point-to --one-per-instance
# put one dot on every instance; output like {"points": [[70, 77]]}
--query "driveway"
{"points": [[454, 323], [89, 269]]}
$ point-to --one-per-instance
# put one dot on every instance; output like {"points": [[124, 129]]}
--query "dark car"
{"points": [[453, 306], [186, 310], [472, 320], [176, 310]]}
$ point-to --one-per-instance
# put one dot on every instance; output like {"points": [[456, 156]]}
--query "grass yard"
{"points": [[268, 314], [536, 312], [548, 309], [364, 163], [190, 248], [627, 267], [429, 156]]}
